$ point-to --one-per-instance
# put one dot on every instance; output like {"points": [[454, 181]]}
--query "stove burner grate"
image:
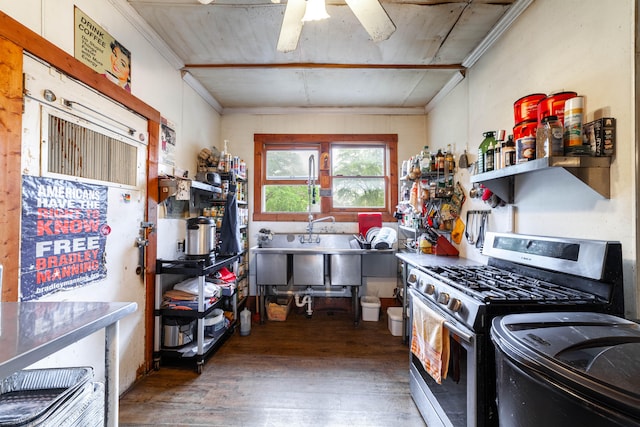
{"points": [[492, 285]]}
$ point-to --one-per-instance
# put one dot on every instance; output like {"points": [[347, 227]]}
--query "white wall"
{"points": [[582, 45], [159, 84]]}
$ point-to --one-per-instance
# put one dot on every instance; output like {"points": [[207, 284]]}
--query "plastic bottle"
{"points": [[497, 156], [489, 137], [509, 152], [573, 118], [498, 159], [440, 160], [488, 157], [222, 166], [405, 168], [449, 161], [425, 160], [245, 322]]}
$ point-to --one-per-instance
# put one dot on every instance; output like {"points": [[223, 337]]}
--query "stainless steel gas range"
{"points": [[523, 274]]}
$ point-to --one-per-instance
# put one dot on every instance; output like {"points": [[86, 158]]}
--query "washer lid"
{"points": [[591, 351]]}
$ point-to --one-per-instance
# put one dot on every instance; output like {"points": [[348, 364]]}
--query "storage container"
{"points": [[279, 309], [366, 220], [177, 331], [553, 105], [394, 316], [215, 323], [370, 308], [526, 108]]}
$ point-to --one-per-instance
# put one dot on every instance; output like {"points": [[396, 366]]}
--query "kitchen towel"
{"points": [[430, 340]]}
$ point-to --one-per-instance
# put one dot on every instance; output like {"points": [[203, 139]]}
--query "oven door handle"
{"points": [[462, 334], [466, 336]]}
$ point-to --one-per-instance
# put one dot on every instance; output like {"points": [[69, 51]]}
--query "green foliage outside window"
{"points": [[357, 178], [287, 198]]}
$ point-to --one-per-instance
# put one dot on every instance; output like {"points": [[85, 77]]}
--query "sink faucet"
{"points": [[312, 221], [311, 193]]}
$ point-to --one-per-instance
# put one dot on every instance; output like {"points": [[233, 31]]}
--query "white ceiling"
{"points": [[228, 48]]}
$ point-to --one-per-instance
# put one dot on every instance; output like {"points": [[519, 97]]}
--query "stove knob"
{"points": [[455, 304], [412, 278], [443, 298], [430, 289]]}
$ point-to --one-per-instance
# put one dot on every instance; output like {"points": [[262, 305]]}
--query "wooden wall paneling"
{"points": [[11, 88]]}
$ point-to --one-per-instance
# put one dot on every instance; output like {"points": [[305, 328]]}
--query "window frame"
{"points": [[323, 143]]}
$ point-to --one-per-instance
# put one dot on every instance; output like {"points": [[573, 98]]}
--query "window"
{"points": [[337, 175]]}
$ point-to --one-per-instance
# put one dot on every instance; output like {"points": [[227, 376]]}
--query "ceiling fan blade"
{"points": [[291, 25], [373, 18]]}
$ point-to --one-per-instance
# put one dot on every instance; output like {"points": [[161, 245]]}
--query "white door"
{"points": [[83, 198]]}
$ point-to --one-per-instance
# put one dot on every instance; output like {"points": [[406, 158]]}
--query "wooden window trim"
{"points": [[299, 141]]}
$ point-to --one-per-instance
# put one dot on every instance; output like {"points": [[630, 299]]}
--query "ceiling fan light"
{"points": [[205, 1], [316, 10]]}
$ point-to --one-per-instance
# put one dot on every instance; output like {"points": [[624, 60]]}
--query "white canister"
{"points": [[245, 322], [573, 120]]}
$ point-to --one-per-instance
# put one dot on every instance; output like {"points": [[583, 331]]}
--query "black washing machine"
{"points": [[567, 368]]}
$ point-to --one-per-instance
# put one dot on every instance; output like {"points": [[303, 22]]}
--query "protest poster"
{"points": [[64, 234]]}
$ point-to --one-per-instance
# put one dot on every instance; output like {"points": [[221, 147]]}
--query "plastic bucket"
{"points": [[526, 108]]}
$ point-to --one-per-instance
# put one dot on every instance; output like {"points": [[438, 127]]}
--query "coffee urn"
{"points": [[201, 237]]}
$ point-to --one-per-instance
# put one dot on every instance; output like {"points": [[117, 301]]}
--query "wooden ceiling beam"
{"points": [[324, 65]]}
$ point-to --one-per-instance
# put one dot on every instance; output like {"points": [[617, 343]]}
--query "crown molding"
{"points": [[147, 32]]}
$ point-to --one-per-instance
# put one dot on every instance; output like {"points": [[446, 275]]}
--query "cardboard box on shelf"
{"points": [[600, 135]]}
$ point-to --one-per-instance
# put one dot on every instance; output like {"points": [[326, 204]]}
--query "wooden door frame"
{"points": [[15, 39]]}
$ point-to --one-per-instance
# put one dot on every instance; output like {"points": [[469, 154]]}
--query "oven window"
{"points": [[451, 394]]}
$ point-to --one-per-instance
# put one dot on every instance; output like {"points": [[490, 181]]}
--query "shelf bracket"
{"points": [[502, 187], [595, 178]]}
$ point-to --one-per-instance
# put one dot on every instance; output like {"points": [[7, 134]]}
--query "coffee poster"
{"points": [[100, 51]]}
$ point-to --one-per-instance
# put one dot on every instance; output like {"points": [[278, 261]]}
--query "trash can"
{"points": [[394, 320], [370, 308], [568, 368]]}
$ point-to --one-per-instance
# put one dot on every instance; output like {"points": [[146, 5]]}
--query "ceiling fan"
{"points": [[370, 13]]}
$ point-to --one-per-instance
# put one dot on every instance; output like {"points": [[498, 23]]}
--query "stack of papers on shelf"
{"points": [[191, 286], [180, 300], [184, 295]]}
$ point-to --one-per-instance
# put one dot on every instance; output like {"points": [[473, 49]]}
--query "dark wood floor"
{"points": [[322, 371]]}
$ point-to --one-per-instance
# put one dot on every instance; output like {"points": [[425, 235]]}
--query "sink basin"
{"points": [[319, 242]]}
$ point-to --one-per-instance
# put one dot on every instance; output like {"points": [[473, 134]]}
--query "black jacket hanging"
{"points": [[230, 243]]}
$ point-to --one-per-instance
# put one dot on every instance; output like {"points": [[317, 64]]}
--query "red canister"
{"points": [[526, 108], [553, 105], [525, 129]]}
